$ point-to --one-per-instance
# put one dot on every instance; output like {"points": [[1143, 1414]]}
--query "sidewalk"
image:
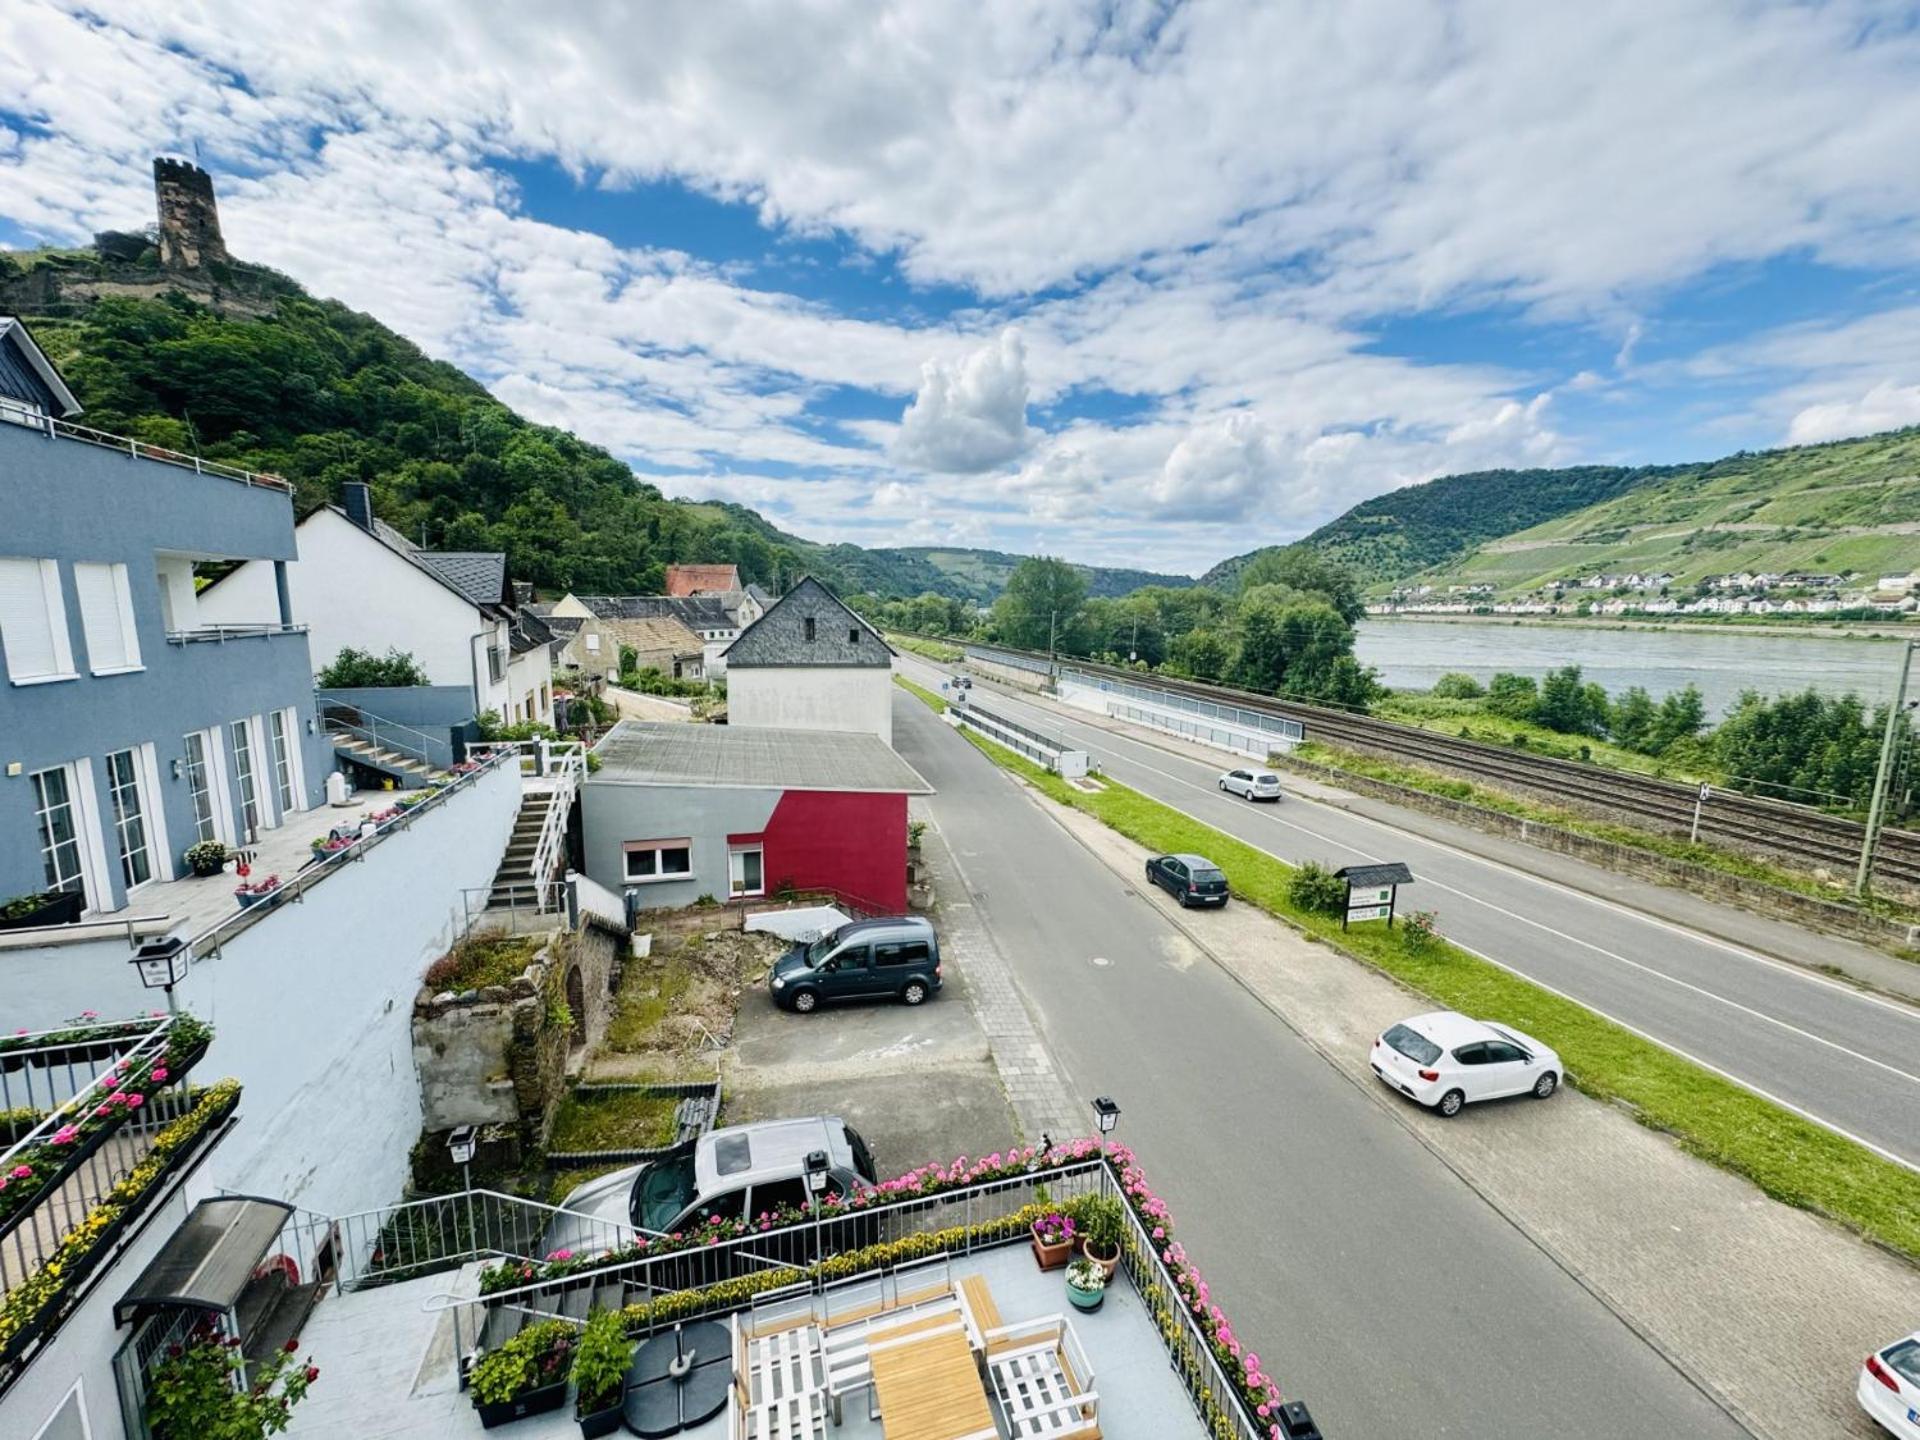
{"points": [[1767, 1308], [1829, 954]]}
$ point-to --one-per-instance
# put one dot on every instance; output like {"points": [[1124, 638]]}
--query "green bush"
{"points": [[538, 1355], [600, 1362], [361, 669], [1455, 686], [1313, 886], [1102, 1223]]}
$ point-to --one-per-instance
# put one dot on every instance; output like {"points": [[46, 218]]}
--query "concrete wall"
{"points": [[799, 697], [442, 712], [612, 814], [67, 501]]}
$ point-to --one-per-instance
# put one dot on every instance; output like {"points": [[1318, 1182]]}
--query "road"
{"points": [[1843, 1057], [1370, 1279]]}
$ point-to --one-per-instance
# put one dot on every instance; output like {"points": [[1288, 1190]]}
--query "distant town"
{"points": [[1655, 593]]}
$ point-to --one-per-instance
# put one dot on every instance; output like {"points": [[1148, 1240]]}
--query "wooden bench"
{"points": [[979, 1302]]}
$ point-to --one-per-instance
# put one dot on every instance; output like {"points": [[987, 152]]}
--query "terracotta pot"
{"points": [[1108, 1263], [1050, 1257]]}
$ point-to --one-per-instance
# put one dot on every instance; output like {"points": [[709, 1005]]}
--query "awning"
{"points": [[1365, 877], [208, 1261]]}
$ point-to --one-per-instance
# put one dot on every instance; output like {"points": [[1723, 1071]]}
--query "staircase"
{"points": [[503, 1322], [515, 885], [407, 771]]}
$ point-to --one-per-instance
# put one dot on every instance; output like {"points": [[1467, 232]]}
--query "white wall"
{"points": [[350, 589], [796, 697], [530, 681]]}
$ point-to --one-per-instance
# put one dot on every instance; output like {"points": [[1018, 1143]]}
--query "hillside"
{"points": [[983, 573], [240, 364], [1405, 531]]}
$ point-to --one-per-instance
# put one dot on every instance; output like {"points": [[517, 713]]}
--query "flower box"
{"points": [[537, 1401], [53, 907], [601, 1422]]}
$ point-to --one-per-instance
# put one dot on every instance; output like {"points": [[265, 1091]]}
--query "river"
{"points": [[1412, 654]]}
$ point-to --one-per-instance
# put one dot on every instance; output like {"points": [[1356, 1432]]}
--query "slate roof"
{"points": [[640, 753], [26, 373], [696, 612], [841, 639], [479, 575], [567, 625], [1366, 877], [759, 593], [659, 633], [528, 632]]}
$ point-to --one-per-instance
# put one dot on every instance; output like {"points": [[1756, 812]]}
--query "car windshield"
{"points": [[1206, 875], [663, 1190], [821, 948], [1412, 1044], [1904, 1360]]}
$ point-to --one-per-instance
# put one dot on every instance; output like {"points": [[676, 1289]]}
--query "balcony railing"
{"points": [[14, 413], [221, 634]]}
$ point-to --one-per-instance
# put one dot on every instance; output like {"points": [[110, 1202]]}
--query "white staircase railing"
{"points": [[556, 767]]}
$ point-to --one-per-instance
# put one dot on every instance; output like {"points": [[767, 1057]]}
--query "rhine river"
{"points": [[1412, 654]]}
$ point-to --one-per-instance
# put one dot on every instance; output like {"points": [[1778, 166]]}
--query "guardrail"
{"points": [[14, 413], [563, 764], [1054, 754], [443, 1232], [379, 732], [221, 634]]}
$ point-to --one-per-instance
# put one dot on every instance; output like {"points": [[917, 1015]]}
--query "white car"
{"points": [[1890, 1387], [1254, 784], [1445, 1060]]}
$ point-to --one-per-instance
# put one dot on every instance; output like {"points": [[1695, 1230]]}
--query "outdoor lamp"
{"points": [[1106, 1114], [461, 1144], [816, 1174], [162, 964]]}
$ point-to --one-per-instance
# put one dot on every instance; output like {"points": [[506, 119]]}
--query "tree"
{"points": [[1456, 686], [1199, 655], [1299, 567], [360, 669], [1682, 714], [1634, 718], [1042, 600], [1808, 747], [1512, 696], [1567, 705]]}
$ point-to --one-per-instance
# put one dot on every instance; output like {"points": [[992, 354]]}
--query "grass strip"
{"points": [[1790, 1159], [931, 649], [926, 696], [613, 1120]]}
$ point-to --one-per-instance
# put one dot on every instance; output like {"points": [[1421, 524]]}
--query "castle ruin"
{"points": [[189, 220]]}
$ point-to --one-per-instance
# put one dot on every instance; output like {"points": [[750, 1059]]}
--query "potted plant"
{"points": [[44, 907], [202, 1388], [1102, 1223], [600, 1364], [1054, 1235], [525, 1376], [208, 857], [256, 892], [1086, 1285]]}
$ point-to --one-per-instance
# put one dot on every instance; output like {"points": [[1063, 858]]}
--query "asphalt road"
{"points": [[1369, 1278], [1843, 1057]]}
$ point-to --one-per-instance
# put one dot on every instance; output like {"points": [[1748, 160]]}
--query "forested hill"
{"points": [[246, 367], [1405, 531]]}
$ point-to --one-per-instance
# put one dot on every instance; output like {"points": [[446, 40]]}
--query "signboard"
{"points": [[1369, 912], [1375, 895], [1371, 891]]}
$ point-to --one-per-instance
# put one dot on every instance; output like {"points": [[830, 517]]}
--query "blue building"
{"points": [[129, 729]]}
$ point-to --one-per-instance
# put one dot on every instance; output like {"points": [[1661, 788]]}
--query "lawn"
{"points": [[933, 701], [612, 1120], [1790, 1159]]}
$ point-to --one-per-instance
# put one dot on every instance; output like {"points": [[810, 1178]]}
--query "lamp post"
{"points": [[162, 965], [1106, 1114], [461, 1144], [816, 1175]]}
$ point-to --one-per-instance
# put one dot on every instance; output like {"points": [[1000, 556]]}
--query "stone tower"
{"points": [[189, 222]]}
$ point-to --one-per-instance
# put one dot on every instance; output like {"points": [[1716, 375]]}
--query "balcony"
{"points": [[225, 634], [14, 413]]}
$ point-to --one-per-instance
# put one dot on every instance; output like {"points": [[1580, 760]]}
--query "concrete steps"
{"points": [[515, 886], [411, 774]]}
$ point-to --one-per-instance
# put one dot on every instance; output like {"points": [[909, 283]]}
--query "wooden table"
{"points": [[929, 1389]]}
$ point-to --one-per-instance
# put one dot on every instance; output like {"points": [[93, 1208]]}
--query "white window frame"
{"points": [[112, 612], [72, 805], [737, 885], [76, 1395], [209, 828], [655, 848], [285, 793], [138, 816], [155, 804], [217, 742], [593, 642], [240, 738], [54, 610]]}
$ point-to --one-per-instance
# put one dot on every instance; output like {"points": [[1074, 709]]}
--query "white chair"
{"points": [[1043, 1379], [779, 1380]]}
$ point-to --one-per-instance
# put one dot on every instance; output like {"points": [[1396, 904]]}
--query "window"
{"points": [[770, 1197], [70, 1421], [593, 644], [496, 664], [33, 622], [243, 772], [1474, 1054], [1501, 1053], [809, 624], [1412, 1044], [129, 818], [59, 834], [659, 859], [851, 961], [853, 635], [746, 871], [200, 788], [729, 1205], [282, 761], [912, 953], [106, 618]]}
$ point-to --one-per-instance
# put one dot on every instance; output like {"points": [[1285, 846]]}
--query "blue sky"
{"points": [[1139, 284]]}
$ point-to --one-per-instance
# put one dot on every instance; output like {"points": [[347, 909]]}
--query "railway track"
{"points": [[1796, 833]]}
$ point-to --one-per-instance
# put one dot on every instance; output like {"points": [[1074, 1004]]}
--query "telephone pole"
{"points": [[1896, 716]]}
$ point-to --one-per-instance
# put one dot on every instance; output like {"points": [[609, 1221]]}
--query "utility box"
{"points": [[1072, 764]]}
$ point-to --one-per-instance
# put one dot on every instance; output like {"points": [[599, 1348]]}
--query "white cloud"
{"points": [[969, 416], [1885, 407], [1219, 471]]}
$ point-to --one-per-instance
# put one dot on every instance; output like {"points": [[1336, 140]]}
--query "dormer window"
{"points": [[809, 625]]}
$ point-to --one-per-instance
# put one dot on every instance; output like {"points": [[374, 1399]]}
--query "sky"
{"points": [[1140, 284]]}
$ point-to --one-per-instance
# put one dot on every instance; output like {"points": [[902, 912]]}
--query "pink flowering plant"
{"points": [[70, 1133], [86, 1028], [1055, 1229]]}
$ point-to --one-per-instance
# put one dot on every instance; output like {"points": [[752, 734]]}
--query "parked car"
{"points": [[738, 1171], [862, 960], [1446, 1060], [1253, 784], [1190, 879], [1890, 1387]]}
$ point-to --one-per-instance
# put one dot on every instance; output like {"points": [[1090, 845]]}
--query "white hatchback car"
{"points": [[1444, 1060], [1890, 1387], [1254, 784]]}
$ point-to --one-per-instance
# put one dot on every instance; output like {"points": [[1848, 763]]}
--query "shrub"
{"points": [[361, 669], [193, 1394], [206, 857], [1314, 887], [538, 1355], [600, 1362], [1455, 686], [1102, 1222], [1417, 930]]}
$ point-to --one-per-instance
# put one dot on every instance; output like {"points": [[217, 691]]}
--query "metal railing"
{"points": [[524, 907], [1221, 737], [563, 764], [443, 1232], [14, 413], [382, 734], [1274, 725], [220, 634], [65, 1079], [209, 941]]}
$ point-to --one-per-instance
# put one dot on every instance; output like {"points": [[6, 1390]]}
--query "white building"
{"points": [[360, 583], [810, 663]]}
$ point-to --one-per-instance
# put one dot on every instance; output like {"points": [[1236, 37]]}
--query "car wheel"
{"points": [[1223, 785], [805, 1002], [1545, 1085], [915, 992], [1451, 1103]]}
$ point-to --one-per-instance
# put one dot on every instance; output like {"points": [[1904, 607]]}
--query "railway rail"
{"points": [[1792, 832]]}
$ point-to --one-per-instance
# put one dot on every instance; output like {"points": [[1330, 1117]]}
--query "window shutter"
{"points": [[100, 616], [27, 627]]}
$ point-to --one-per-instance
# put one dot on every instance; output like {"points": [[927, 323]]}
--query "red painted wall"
{"points": [[854, 844]]}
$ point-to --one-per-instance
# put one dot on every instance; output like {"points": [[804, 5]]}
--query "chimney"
{"points": [[356, 498]]}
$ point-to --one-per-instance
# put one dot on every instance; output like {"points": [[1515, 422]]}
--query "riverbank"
{"points": [[1797, 630]]}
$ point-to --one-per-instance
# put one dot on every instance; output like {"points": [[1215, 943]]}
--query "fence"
{"points": [[431, 752], [1045, 750], [562, 765], [1289, 732], [443, 1232], [1220, 737], [12, 412]]}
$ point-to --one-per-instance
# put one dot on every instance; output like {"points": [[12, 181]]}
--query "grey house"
{"points": [[810, 663], [129, 729]]}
